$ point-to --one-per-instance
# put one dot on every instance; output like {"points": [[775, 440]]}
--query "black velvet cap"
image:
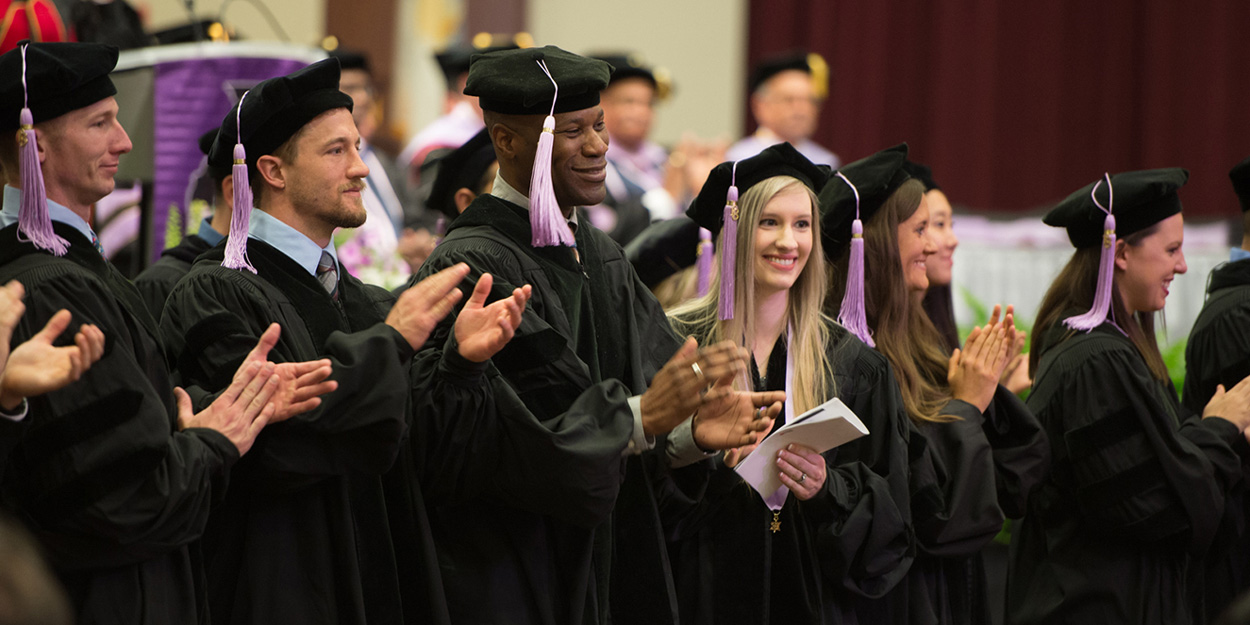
{"points": [[350, 59], [511, 81], [454, 61], [206, 145], [921, 173], [1142, 199], [663, 249], [876, 178], [60, 77], [774, 65], [627, 66], [781, 159], [277, 108], [461, 168], [1240, 175]]}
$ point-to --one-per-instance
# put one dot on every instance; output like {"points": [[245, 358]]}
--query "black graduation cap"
{"points": [[512, 82], [1240, 175], [1137, 199], [663, 249], [206, 145], [921, 173], [777, 160], [276, 109], [60, 77], [811, 64], [876, 178], [461, 168], [454, 61], [350, 59]]}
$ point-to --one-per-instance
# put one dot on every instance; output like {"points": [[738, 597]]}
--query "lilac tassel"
{"points": [[33, 222], [852, 313], [546, 219], [1106, 271], [236, 244], [728, 252], [704, 255]]}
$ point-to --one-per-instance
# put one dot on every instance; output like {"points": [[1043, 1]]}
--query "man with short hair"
{"points": [[114, 473], [592, 377], [786, 94], [316, 526]]}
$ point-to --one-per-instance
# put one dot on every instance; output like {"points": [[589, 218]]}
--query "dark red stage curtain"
{"points": [[1015, 105]]}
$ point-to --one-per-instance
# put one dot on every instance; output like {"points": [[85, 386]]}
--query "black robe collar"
{"points": [[1229, 274]]}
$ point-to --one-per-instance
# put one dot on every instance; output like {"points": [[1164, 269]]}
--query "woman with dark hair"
{"points": [[976, 450], [1116, 531], [838, 533]]}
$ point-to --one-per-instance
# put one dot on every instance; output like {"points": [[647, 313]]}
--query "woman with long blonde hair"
{"points": [[976, 450], [838, 533]]}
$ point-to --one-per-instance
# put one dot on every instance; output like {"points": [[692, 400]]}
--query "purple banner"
{"points": [[192, 96]]}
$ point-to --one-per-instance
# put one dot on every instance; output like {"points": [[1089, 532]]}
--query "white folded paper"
{"points": [[822, 428]]}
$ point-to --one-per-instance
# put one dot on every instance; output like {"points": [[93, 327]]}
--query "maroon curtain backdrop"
{"points": [[1015, 105]]}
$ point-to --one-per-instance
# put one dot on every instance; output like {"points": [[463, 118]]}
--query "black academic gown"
{"points": [[1134, 498], [304, 533], [1218, 352], [115, 493], [834, 554], [526, 535], [157, 281]]}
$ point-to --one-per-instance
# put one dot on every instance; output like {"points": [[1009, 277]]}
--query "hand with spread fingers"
{"points": [[300, 384], [690, 378], [422, 306], [241, 411], [735, 418], [482, 330], [803, 470], [36, 366]]}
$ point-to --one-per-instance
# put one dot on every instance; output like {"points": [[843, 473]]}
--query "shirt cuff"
{"points": [[639, 442], [18, 413], [681, 449]]}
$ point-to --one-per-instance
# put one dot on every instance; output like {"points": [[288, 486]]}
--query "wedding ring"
{"points": [[697, 371], [802, 478]]}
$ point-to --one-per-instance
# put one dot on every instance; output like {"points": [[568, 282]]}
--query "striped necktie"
{"points": [[328, 274]]}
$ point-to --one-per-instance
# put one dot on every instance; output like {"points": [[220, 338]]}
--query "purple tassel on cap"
{"points": [[33, 223], [729, 247], [853, 314], [236, 244], [1106, 268], [704, 255], [547, 223]]}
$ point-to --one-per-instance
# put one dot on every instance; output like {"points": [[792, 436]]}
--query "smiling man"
{"points": [[592, 376], [304, 533]]}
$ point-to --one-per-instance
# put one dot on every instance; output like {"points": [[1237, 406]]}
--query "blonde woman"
{"points": [[838, 533], [976, 450]]}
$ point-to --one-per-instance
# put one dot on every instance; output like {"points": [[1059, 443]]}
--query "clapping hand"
{"points": [[482, 330]]}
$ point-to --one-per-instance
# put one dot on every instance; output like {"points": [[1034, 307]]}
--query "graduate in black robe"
{"points": [[305, 531], [114, 479], [156, 282], [1218, 352], [974, 450], [1118, 530], [805, 556], [546, 536]]}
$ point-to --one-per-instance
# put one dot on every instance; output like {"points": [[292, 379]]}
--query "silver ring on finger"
{"points": [[802, 478], [697, 371]]}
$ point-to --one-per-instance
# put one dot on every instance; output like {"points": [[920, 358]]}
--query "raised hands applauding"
{"points": [[36, 366]]}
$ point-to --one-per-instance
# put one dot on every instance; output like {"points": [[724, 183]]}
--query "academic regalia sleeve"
{"points": [[558, 438], [100, 473], [864, 532], [955, 500], [154, 285], [212, 321], [1020, 447], [1137, 470]]}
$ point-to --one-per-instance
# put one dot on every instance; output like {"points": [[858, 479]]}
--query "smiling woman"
{"points": [[1139, 482]]}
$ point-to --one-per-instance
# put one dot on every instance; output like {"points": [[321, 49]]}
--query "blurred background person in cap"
{"points": [[786, 94]]}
